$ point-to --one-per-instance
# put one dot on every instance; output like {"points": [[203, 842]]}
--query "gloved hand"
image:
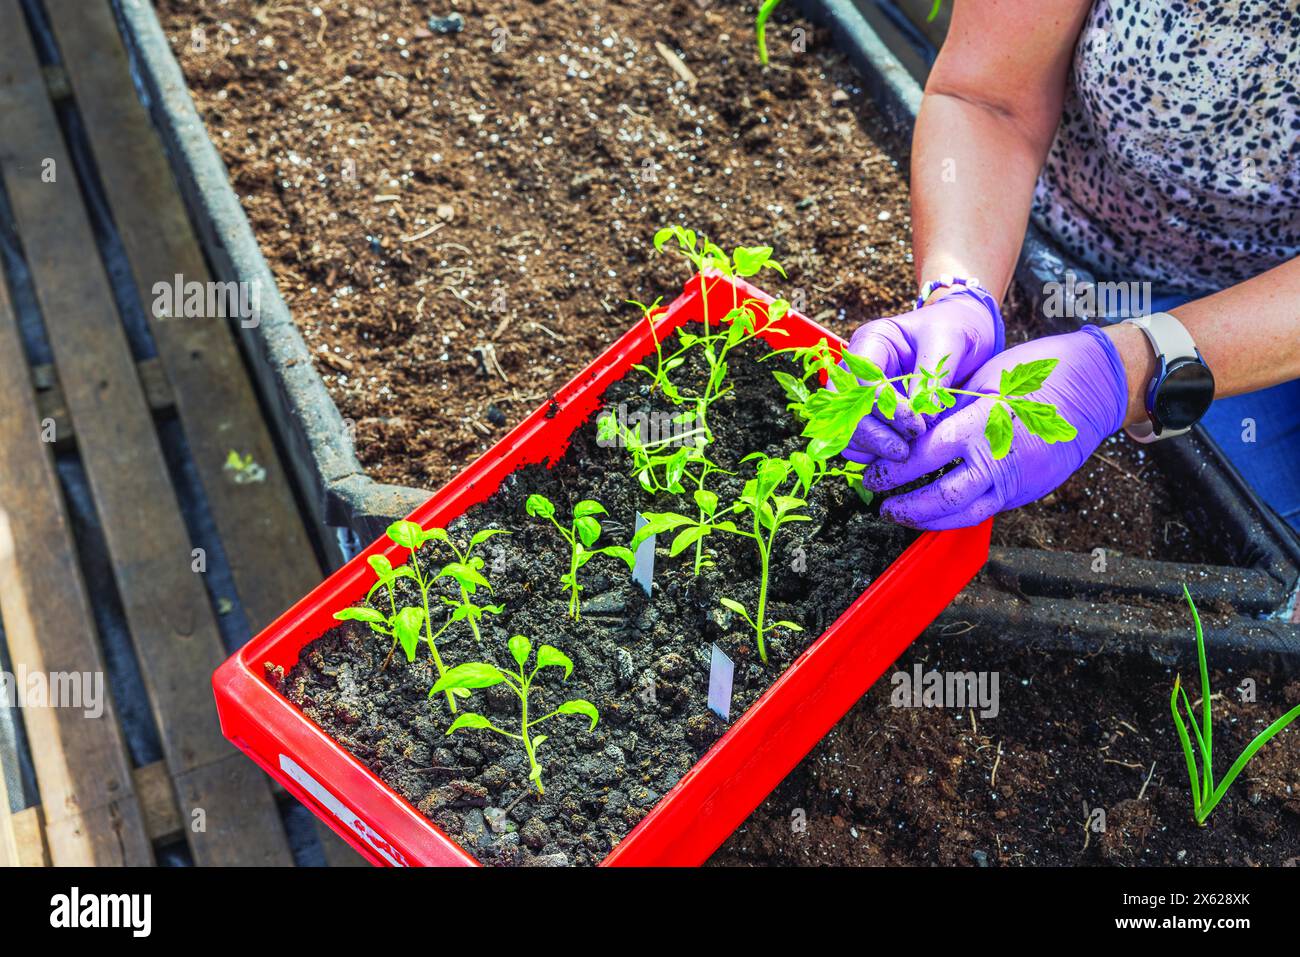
{"points": [[1089, 387], [965, 325]]}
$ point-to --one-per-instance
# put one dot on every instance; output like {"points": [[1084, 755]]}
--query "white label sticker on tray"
{"points": [[341, 811], [721, 671], [643, 572]]}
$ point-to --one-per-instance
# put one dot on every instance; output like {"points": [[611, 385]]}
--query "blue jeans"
{"points": [[1260, 434]]}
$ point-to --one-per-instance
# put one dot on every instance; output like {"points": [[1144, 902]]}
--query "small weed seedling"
{"points": [[581, 535], [404, 625], [858, 387], [477, 674], [1205, 795], [769, 505]]}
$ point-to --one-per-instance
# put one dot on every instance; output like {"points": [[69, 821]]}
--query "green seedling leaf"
{"points": [[804, 468], [481, 536], [520, 649], [887, 401], [622, 552], [467, 576], [1026, 377], [588, 507], [864, 369], [656, 523], [737, 607], [706, 501], [474, 674], [750, 259], [406, 625], [583, 707], [380, 565], [360, 614], [1043, 420], [771, 473], [795, 389], [469, 720], [539, 506], [549, 656], [588, 530], [686, 538], [406, 534], [998, 431]]}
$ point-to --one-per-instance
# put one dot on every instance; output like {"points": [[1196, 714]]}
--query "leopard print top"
{"points": [[1177, 160]]}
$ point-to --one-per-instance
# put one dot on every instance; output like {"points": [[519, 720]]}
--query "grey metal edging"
{"points": [[316, 439]]}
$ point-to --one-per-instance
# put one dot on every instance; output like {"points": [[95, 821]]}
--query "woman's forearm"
{"points": [[991, 107], [1248, 334], [973, 174]]}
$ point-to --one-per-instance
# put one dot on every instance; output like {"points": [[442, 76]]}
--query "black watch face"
{"points": [[1184, 395]]}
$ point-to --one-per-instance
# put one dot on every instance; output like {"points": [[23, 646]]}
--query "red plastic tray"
{"points": [[726, 784]]}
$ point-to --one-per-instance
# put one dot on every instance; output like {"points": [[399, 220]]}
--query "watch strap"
{"points": [[972, 288], [1171, 342]]}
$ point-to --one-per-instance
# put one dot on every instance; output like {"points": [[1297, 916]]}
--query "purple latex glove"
{"points": [[966, 326], [1090, 389]]}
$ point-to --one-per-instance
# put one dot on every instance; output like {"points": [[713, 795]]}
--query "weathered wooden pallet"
{"points": [[103, 402]]}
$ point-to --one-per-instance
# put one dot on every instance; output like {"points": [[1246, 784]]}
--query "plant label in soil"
{"points": [[643, 572], [721, 670]]}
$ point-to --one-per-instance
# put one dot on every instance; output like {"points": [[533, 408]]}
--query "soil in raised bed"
{"points": [[598, 785], [902, 785], [422, 195]]}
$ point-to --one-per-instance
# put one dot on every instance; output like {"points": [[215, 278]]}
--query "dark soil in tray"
{"points": [[894, 785], [420, 195], [597, 785]]}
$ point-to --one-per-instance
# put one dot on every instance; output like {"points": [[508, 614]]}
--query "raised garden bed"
{"points": [[379, 764]]}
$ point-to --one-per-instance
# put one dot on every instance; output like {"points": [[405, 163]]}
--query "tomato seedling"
{"points": [[858, 387], [769, 505], [1205, 795], [478, 674], [404, 625], [581, 535], [748, 319]]}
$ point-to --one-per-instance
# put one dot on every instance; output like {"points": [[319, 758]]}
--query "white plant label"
{"points": [[721, 671], [643, 572]]}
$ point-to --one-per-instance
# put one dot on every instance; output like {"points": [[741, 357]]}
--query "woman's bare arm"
{"points": [[990, 110], [1249, 335]]}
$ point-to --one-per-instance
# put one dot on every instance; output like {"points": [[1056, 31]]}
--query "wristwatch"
{"points": [[1183, 387]]}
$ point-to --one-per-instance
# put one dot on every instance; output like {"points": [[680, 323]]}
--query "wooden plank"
{"points": [[29, 838], [22, 836], [51, 406], [166, 605], [271, 557], [81, 764], [162, 816]]}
